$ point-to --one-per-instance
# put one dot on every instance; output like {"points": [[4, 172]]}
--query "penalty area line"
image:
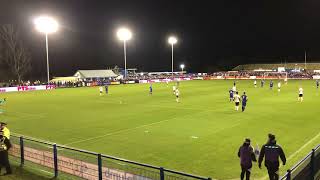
{"points": [[126, 130]]}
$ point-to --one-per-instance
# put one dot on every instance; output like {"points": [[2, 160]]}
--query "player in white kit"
{"points": [[177, 92], [279, 86], [174, 88], [300, 98], [101, 90], [237, 100], [234, 88]]}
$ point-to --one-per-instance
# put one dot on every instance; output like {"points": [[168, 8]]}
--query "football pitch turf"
{"points": [[200, 135]]}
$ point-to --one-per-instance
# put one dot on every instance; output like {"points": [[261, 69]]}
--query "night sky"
{"points": [[212, 35]]}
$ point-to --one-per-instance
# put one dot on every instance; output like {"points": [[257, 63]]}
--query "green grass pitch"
{"points": [[199, 135]]}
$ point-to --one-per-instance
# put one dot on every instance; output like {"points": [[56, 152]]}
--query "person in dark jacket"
{"points": [[5, 145], [246, 155], [271, 151]]}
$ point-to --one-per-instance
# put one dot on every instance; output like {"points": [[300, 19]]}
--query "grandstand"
{"points": [[248, 67]]}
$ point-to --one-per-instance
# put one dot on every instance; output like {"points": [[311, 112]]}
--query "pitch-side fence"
{"points": [[69, 163], [308, 168]]}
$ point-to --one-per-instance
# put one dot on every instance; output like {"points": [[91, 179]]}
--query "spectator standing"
{"points": [[246, 156], [4, 128], [5, 145], [271, 151]]}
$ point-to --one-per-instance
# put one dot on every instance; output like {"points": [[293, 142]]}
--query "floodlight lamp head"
{"points": [[46, 24], [124, 34], [172, 40], [182, 66]]}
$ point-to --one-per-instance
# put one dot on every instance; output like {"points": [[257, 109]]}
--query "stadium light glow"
{"points": [[172, 40], [47, 25], [182, 67], [124, 34]]}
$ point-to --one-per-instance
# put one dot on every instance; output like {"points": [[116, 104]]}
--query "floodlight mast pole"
{"points": [[47, 50], [125, 58], [172, 59], [305, 60]]}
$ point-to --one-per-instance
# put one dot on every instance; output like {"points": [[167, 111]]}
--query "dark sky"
{"points": [[216, 33]]}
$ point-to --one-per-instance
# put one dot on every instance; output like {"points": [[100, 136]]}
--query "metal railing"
{"points": [[307, 168], [71, 163]]}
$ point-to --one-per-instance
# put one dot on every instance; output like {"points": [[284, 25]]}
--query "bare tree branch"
{"points": [[14, 54]]}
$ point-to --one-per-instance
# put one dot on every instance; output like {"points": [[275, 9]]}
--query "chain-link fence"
{"points": [[70, 163], [307, 168]]}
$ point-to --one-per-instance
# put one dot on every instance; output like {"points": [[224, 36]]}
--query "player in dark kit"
{"points": [[246, 155], [231, 95], [317, 82], [262, 83], [271, 151], [107, 88], [271, 85], [244, 101], [150, 89]]}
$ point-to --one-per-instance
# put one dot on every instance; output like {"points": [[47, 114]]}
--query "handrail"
{"points": [[301, 161], [110, 157], [129, 161], [33, 139], [77, 150], [309, 155]]}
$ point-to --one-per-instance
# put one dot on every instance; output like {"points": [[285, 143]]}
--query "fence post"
{"points": [[312, 173], [100, 166], [21, 151], [55, 160], [288, 174], [161, 173]]}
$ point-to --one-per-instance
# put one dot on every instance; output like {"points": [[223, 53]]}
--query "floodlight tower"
{"points": [[172, 40], [46, 25], [124, 35]]}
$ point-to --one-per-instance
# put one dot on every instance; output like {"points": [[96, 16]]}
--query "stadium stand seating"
{"points": [[310, 66]]}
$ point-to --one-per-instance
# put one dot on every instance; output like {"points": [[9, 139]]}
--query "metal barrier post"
{"points": [[288, 174], [100, 166], [312, 173], [21, 151], [55, 160], [161, 173]]}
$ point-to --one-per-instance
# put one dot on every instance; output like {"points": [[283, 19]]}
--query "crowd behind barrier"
{"points": [[139, 78]]}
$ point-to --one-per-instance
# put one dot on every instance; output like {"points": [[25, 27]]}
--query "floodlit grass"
{"points": [[200, 135]]}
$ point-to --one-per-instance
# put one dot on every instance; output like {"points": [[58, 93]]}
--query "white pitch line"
{"points": [[120, 131], [116, 132], [138, 127]]}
